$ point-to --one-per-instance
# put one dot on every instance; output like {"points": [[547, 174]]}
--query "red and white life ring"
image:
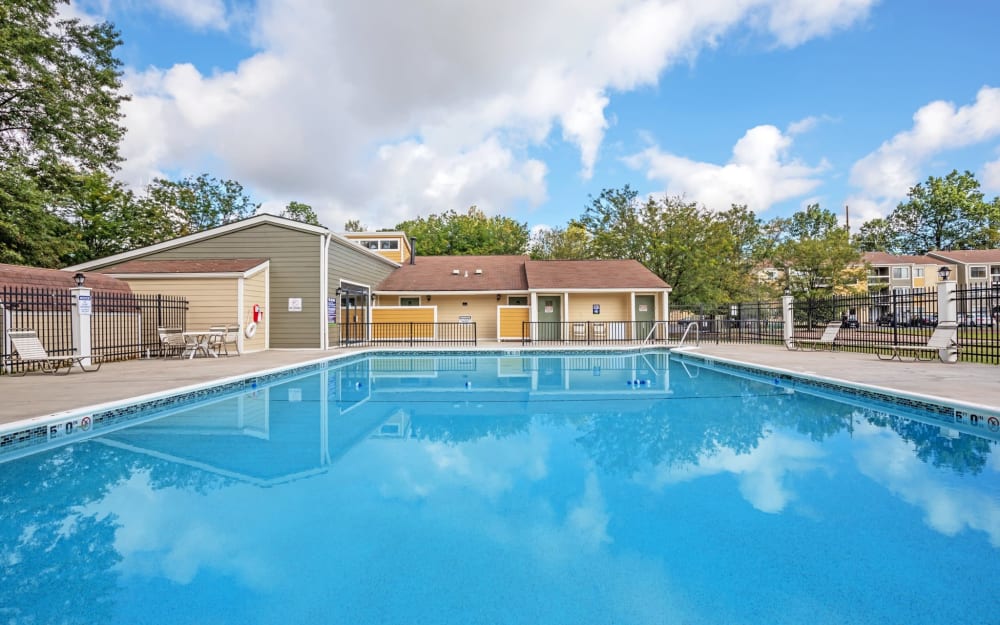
{"points": [[251, 329]]}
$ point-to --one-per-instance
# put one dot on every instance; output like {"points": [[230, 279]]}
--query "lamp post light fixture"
{"points": [[787, 291], [944, 272], [79, 278]]}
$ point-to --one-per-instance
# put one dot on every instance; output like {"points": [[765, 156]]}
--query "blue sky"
{"points": [[389, 110]]}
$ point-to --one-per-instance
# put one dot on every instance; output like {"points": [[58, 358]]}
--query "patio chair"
{"points": [[828, 339], [599, 330], [579, 331], [171, 342], [224, 337], [30, 350], [944, 339]]}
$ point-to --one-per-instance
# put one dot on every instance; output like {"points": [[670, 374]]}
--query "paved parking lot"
{"points": [[37, 395]]}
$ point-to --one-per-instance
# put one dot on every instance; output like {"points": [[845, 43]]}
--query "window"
{"points": [[372, 245], [978, 272], [918, 272], [900, 273], [409, 301], [387, 244], [517, 301]]}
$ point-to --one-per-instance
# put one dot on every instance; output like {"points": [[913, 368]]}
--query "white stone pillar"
{"points": [[82, 309], [786, 317], [947, 316]]}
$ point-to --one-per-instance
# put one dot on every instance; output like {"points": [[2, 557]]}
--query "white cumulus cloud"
{"points": [[760, 173], [377, 110], [885, 175]]}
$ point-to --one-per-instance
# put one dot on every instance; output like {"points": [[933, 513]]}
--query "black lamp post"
{"points": [[79, 278], [944, 272]]}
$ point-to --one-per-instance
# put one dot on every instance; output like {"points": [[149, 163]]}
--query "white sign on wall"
{"points": [[294, 304], [85, 303]]}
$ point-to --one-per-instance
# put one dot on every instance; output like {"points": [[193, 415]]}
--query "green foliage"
{"points": [[472, 233], [706, 257], [948, 213], [569, 243], [815, 253], [195, 204], [354, 225], [60, 103], [300, 212]]}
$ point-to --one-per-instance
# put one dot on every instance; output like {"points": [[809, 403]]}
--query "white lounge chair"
{"points": [[30, 350], [224, 337], [944, 339], [827, 341]]}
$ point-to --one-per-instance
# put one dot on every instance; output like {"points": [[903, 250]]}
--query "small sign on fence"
{"points": [[85, 304]]}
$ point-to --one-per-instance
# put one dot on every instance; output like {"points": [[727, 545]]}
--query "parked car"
{"points": [[850, 321], [973, 319], [924, 320], [887, 321]]}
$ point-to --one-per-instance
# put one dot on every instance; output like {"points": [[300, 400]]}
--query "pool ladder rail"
{"points": [[687, 330]]}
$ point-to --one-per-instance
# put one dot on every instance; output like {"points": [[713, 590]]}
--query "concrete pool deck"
{"points": [[36, 395]]}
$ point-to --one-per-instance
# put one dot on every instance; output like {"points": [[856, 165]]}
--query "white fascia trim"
{"points": [[255, 270], [198, 236], [324, 289]]}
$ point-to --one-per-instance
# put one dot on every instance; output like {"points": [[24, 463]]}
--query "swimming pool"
{"points": [[463, 488]]}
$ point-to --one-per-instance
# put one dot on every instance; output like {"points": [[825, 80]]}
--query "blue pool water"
{"points": [[462, 489]]}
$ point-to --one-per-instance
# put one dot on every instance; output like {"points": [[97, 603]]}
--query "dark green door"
{"points": [[645, 314], [549, 318]]}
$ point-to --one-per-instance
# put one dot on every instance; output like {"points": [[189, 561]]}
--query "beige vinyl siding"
{"points": [[614, 306], [295, 272], [482, 309], [211, 301], [254, 292]]}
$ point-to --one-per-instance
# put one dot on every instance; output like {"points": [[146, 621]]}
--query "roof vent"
{"points": [[479, 272], [455, 272]]}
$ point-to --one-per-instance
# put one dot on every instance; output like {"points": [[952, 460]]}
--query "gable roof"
{"points": [[225, 265], [967, 256], [884, 258], [591, 274], [250, 222], [20, 276], [517, 273], [458, 273]]}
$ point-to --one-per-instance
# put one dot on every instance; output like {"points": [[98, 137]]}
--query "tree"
{"points": [[300, 212], [354, 225], [196, 204], [60, 97], [569, 243], [816, 254], [453, 234], [948, 213], [877, 235], [705, 257]]}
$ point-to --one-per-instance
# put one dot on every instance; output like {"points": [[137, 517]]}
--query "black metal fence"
{"points": [[409, 333], [904, 317], [122, 325], [738, 322], [590, 332]]}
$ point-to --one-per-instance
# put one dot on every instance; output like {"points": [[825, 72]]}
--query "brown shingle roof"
{"points": [[883, 258], [211, 265], [437, 273], [517, 273], [19, 276], [591, 274], [969, 256]]}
